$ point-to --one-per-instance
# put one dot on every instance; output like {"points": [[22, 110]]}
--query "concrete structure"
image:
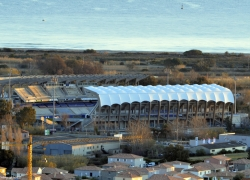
{"points": [[217, 147], [88, 171], [80, 148], [131, 159], [240, 164], [160, 104]]}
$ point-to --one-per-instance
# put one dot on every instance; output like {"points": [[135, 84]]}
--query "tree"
{"points": [[26, 116], [141, 145], [151, 80], [200, 152], [238, 176], [177, 152], [54, 65], [171, 63], [6, 158], [85, 67], [5, 108], [192, 52], [229, 125]]}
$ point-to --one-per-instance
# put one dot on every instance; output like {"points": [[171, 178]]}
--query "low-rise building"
{"points": [[131, 159], [80, 148], [217, 147], [88, 171]]}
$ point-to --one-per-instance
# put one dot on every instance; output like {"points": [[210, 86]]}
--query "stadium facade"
{"points": [[111, 101]]}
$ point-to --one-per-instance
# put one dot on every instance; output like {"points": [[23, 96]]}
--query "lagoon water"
{"points": [[129, 25]]}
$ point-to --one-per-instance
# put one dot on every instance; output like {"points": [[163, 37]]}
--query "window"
{"points": [[117, 159], [212, 150], [125, 160]]}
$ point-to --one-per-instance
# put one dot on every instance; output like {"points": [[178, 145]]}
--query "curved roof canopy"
{"points": [[127, 94]]}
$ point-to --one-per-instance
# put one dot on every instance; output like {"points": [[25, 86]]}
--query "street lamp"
{"points": [[54, 79]]}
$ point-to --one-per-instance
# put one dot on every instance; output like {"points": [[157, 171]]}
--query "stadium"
{"points": [[111, 101]]}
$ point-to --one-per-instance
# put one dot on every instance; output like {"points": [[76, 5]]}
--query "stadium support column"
{"points": [[109, 112], [149, 112], [205, 109], [223, 110], [214, 113], [159, 110], [119, 116], [187, 112], [139, 112], [196, 109], [168, 110], [129, 112], [232, 112], [177, 119]]}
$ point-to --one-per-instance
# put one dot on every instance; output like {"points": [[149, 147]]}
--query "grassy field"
{"points": [[234, 156]]}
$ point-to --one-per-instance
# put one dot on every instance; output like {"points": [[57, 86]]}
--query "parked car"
{"points": [[151, 164]]}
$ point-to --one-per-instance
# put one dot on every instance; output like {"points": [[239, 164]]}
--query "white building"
{"points": [[131, 159]]}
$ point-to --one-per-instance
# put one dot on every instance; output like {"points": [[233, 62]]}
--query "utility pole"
{"points": [[54, 80]]}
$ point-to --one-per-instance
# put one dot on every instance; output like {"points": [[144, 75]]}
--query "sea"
{"points": [[127, 25]]}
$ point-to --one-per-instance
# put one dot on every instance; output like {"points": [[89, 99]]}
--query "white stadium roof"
{"points": [[127, 94]]}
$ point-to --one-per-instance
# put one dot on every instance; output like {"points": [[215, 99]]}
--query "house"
{"points": [[128, 175], [179, 164], [198, 171], [80, 148], [188, 176], [241, 164], [110, 173], [115, 164], [219, 159], [217, 147], [62, 176], [49, 170], [20, 172], [163, 177], [220, 175], [3, 171], [131, 159], [211, 167], [34, 177], [88, 171], [165, 168]]}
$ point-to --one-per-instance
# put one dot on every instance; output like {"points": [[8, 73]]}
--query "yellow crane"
{"points": [[84, 140]]}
